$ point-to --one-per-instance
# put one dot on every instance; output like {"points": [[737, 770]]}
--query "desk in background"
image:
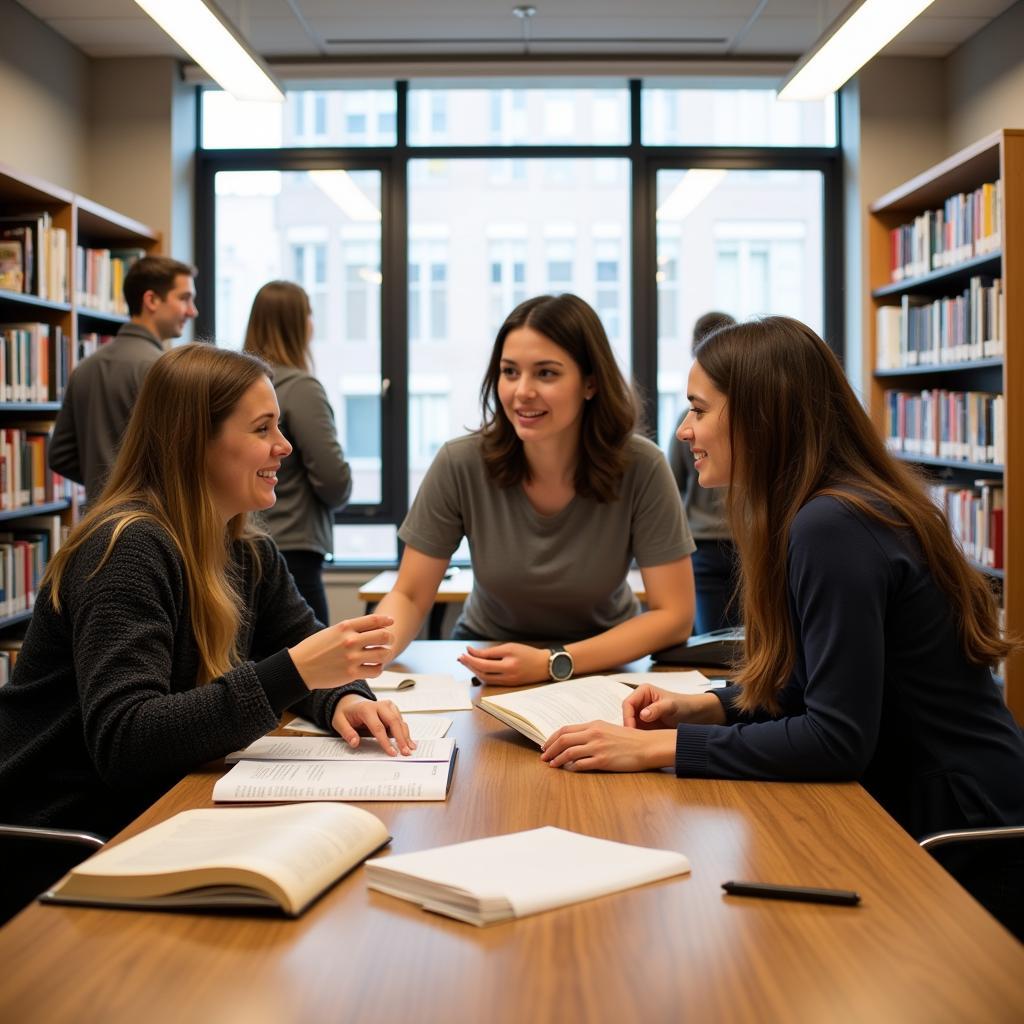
{"points": [[918, 948], [454, 589]]}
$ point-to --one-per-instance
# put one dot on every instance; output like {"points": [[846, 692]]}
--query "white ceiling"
{"points": [[357, 28]]}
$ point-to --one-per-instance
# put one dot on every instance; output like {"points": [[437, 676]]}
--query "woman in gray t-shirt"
{"points": [[556, 495]]}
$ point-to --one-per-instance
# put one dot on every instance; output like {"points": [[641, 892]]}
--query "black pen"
{"points": [[771, 891]]}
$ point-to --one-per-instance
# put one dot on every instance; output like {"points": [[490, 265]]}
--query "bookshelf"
{"points": [[36, 364], [999, 156]]}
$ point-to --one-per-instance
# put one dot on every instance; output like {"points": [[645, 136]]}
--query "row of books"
{"points": [[24, 553], [100, 278], [975, 517], [965, 227], [923, 331], [25, 476], [35, 362], [90, 341], [965, 426], [34, 256]]}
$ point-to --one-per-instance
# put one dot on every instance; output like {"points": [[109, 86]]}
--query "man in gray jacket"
{"points": [[101, 392]]}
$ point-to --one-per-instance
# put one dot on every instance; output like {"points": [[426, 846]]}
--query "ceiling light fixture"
{"points": [[850, 42], [524, 12], [210, 39]]}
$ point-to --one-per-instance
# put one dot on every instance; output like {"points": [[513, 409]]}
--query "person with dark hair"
{"points": [[316, 479], [714, 560], [167, 631], [870, 639], [556, 495], [101, 391]]}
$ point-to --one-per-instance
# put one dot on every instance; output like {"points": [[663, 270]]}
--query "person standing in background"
{"points": [[316, 479], [714, 561], [101, 393]]}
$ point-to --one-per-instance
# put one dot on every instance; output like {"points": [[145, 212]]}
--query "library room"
{"points": [[506, 510]]}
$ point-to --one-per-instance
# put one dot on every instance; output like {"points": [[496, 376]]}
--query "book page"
{"points": [[421, 727], [548, 708], [302, 849], [532, 871], [334, 748], [674, 682], [388, 682], [265, 781], [433, 693]]}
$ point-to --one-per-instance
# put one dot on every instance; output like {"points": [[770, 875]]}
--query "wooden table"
{"points": [[454, 589], [918, 948]]}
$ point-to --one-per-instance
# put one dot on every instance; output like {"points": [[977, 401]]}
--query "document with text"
{"points": [[286, 781], [334, 748]]}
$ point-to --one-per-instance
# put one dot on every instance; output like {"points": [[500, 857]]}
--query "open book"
{"points": [[257, 857], [489, 880], [542, 710]]}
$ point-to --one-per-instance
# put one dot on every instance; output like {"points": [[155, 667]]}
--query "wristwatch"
{"points": [[560, 666]]}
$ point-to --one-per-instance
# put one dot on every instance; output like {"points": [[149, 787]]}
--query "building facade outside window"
{"points": [[409, 284]]}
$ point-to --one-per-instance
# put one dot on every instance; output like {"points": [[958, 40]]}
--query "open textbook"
{"points": [[260, 857], [394, 778], [489, 880], [542, 710]]}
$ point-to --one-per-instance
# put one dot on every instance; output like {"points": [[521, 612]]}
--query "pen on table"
{"points": [[770, 890]]}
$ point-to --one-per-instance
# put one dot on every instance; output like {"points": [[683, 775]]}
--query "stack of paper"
{"points": [[291, 768], [489, 880]]}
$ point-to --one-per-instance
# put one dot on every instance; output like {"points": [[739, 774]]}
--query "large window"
{"points": [[654, 201], [747, 243]]}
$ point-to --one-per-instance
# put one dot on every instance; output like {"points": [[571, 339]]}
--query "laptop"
{"points": [[720, 648]]}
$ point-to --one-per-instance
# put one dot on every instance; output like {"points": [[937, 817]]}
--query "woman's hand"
{"points": [[649, 707], [598, 746], [507, 664], [353, 649], [380, 718]]}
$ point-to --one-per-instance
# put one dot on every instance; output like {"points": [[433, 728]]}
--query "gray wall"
{"points": [[985, 81]]}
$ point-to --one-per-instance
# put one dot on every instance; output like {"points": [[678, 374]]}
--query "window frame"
{"points": [[637, 277]]}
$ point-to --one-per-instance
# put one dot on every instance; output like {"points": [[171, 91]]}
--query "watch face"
{"points": [[561, 665]]}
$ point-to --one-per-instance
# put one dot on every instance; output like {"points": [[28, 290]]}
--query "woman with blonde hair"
{"points": [[316, 481], [869, 638], [167, 631]]}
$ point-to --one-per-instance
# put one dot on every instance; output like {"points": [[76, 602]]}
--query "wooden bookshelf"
{"points": [[997, 156], [94, 226]]}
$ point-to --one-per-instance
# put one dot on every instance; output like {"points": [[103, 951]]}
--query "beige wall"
{"points": [[142, 139], [120, 131], [45, 87]]}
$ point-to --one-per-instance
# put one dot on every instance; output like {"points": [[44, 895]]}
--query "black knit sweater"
{"points": [[102, 713]]}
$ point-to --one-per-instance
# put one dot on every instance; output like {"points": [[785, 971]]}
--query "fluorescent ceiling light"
{"points": [[851, 41], [693, 188], [339, 187], [207, 36]]}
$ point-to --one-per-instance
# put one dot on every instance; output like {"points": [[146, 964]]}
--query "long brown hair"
{"points": [[609, 418], [278, 328], [160, 476], [798, 431]]}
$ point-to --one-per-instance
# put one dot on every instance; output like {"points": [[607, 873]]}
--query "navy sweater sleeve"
{"points": [[838, 583]]}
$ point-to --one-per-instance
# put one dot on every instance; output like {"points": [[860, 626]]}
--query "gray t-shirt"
{"points": [[560, 577]]}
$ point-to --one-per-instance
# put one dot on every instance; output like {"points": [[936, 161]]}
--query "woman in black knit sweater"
{"points": [[167, 631]]}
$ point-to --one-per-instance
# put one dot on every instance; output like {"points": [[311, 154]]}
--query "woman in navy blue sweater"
{"points": [[869, 637]]}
